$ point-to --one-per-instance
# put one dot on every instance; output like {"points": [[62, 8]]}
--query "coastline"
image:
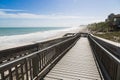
{"points": [[32, 38]]}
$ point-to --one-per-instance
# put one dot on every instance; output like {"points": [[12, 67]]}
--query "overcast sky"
{"points": [[62, 13]]}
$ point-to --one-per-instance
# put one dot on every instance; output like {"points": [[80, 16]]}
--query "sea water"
{"points": [[14, 37], [7, 31]]}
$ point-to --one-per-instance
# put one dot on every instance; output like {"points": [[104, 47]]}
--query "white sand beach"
{"points": [[26, 39]]}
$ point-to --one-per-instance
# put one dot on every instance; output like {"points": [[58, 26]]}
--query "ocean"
{"points": [[13, 37], [7, 31]]}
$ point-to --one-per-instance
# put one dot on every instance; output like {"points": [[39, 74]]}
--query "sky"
{"points": [[55, 13]]}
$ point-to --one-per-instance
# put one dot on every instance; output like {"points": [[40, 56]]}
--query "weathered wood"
{"points": [[77, 64], [108, 62], [12, 53], [29, 65]]}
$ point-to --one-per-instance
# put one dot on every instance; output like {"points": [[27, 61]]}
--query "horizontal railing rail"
{"points": [[114, 49], [13, 53], [108, 62], [34, 66]]}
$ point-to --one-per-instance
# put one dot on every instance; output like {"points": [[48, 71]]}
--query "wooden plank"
{"points": [[77, 64]]}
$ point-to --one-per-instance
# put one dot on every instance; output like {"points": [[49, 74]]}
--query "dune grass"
{"points": [[113, 36]]}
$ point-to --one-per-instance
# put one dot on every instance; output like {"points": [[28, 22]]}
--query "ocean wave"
{"points": [[31, 38]]}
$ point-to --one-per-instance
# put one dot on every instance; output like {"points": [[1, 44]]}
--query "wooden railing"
{"points": [[33, 62], [13, 53], [114, 49], [108, 62]]}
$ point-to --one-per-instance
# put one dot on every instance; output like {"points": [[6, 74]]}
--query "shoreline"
{"points": [[32, 38]]}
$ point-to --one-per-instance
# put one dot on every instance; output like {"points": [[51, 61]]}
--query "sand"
{"points": [[7, 42]]}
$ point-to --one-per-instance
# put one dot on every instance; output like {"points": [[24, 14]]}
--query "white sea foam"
{"points": [[20, 40]]}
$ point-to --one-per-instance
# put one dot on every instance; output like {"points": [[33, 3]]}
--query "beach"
{"points": [[37, 37]]}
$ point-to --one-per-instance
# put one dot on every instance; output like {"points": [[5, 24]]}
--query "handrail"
{"points": [[28, 67], [34, 53], [16, 52], [109, 63], [114, 49], [107, 52]]}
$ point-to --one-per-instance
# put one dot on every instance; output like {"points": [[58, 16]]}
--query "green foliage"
{"points": [[99, 27], [102, 30], [113, 36], [105, 30]]}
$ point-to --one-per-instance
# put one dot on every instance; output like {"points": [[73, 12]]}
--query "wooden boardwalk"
{"points": [[77, 64]]}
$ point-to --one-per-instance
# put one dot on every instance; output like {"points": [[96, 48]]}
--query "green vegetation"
{"points": [[113, 36], [99, 27], [103, 30]]}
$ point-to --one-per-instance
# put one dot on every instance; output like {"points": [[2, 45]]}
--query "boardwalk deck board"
{"points": [[77, 64]]}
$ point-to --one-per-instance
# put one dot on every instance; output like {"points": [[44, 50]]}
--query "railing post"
{"points": [[118, 72], [35, 64]]}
